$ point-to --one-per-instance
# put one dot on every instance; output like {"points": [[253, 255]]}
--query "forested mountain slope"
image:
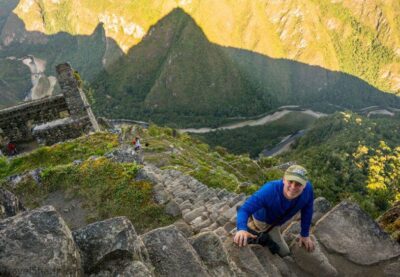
{"points": [[195, 62]]}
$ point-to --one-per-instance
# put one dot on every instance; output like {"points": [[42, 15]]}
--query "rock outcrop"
{"points": [[9, 204], [315, 262], [125, 155], [171, 253], [38, 243], [349, 231], [390, 221], [105, 242], [213, 254]]}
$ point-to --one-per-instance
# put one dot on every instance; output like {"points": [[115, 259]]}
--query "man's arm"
{"points": [[257, 201], [306, 218], [253, 204]]}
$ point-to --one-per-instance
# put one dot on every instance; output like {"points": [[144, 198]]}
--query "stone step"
{"points": [[188, 217]]}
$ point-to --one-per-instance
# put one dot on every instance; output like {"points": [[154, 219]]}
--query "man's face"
{"points": [[292, 189]]}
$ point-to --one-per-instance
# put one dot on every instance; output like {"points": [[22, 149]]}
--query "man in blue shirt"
{"points": [[274, 204]]}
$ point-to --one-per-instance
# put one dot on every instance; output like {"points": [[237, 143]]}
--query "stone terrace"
{"points": [[18, 123]]}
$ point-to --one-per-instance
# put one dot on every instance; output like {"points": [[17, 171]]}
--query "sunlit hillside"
{"points": [[359, 38]]}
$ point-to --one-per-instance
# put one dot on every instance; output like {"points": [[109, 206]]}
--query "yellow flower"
{"points": [[376, 186]]}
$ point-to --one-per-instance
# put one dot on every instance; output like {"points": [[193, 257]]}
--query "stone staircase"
{"points": [[202, 208], [207, 212]]}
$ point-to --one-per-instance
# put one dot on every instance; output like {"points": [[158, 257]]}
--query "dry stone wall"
{"points": [[16, 122], [51, 119], [60, 130]]}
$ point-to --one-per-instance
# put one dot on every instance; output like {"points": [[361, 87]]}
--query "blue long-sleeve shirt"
{"points": [[269, 204]]}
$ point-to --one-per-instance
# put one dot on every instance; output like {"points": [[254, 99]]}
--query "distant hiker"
{"points": [[11, 149], [137, 143], [260, 217]]}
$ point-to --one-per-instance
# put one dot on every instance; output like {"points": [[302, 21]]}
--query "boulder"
{"points": [[190, 216], [392, 269], [390, 221], [315, 263], [171, 254], [38, 243], [321, 207], [105, 241], [245, 259], [147, 173], [15, 180], [127, 269], [172, 208], [185, 205], [137, 269], [349, 231], [291, 232], [9, 204], [221, 232], [199, 223], [160, 196], [124, 155], [266, 259], [184, 228], [213, 254]]}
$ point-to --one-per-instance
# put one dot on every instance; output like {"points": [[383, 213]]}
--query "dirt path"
{"points": [[71, 209]]}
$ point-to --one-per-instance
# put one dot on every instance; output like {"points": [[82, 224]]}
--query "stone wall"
{"points": [[70, 89], [76, 100], [51, 119], [60, 130], [16, 122]]}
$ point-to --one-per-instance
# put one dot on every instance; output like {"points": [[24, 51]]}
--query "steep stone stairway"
{"points": [[203, 208], [340, 234]]}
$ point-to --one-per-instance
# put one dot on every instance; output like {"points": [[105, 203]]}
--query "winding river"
{"points": [[255, 122]]}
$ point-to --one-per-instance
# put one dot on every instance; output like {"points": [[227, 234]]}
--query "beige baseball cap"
{"points": [[296, 173]]}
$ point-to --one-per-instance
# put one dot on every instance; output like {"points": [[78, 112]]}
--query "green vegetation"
{"points": [[360, 52], [110, 190], [348, 156], [107, 188], [254, 140], [63, 153], [199, 84], [215, 168], [186, 72], [191, 82], [15, 82], [351, 156]]}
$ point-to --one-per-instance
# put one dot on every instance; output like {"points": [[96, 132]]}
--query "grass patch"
{"points": [[216, 168], [108, 189], [63, 153]]}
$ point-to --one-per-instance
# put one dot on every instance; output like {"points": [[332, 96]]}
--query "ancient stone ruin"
{"points": [[52, 119]]}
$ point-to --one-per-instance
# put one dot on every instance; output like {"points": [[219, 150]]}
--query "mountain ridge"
{"points": [[201, 82], [316, 32]]}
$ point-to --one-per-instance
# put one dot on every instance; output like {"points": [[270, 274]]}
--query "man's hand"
{"points": [[241, 237], [307, 242]]}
